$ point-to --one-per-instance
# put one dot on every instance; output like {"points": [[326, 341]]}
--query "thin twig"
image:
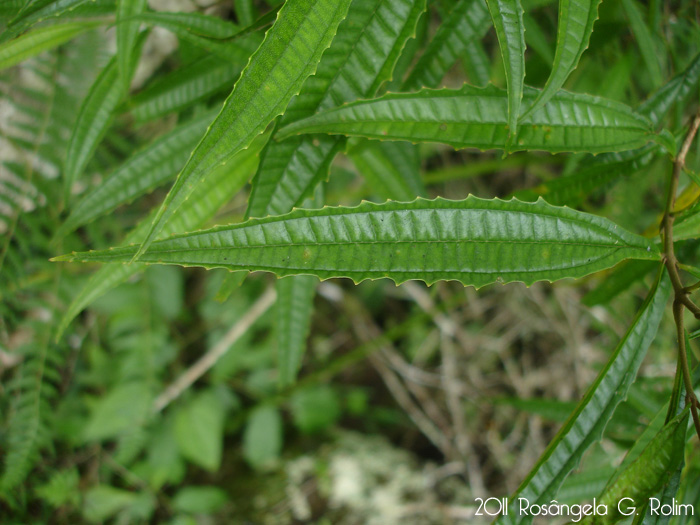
{"points": [[204, 363], [681, 299]]}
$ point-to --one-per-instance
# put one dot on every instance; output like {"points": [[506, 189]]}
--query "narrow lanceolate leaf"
{"points": [[361, 58], [575, 188], [294, 307], [38, 40], [289, 54], [127, 31], [391, 169], [478, 117], [648, 473], [93, 120], [144, 171], [576, 19], [645, 41], [207, 198], [586, 424], [596, 172], [466, 23], [55, 10], [184, 87], [675, 90], [474, 241], [507, 16]]}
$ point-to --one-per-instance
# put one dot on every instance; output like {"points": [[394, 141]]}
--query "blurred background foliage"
{"points": [[410, 401]]}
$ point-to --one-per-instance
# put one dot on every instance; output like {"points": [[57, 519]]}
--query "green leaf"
{"points": [[478, 118], [102, 502], [126, 406], [127, 32], [391, 169], [657, 106], [466, 23], [361, 58], [199, 430], [184, 87], [648, 473], [619, 280], [645, 41], [289, 54], [576, 19], [245, 11], [262, 438], [157, 163], [207, 198], [315, 409], [200, 499], [507, 16], [94, 118], [573, 189], [294, 307], [54, 10], [586, 424], [474, 241], [38, 40]]}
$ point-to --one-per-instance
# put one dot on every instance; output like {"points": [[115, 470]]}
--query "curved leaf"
{"points": [[207, 198], [474, 241], [289, 54], [94, 118], [147, 169], [361, 58], [467, 22], [645, 41], [507, 16], [649, 472], [38, 40], [127, 32], [184, 87], [586, 424], [293, 308], [478, 117], [391, 169], [576, 19]]}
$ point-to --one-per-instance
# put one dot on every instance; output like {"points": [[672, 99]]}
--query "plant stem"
{"points": [[681, 299]]}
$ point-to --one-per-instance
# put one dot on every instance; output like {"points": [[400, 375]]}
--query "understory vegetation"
{"points": [[348, 261]]}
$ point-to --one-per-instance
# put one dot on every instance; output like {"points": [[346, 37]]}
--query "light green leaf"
{"points": [[38, 12], [94, 118], [293, 311], [126, 406], [315, 408], [391, 169], [289, 54], [199, 430], [478, 118], [245, 11], [200, 499], [657, 106], [596, 173], [37, 40], [576, 19], [474, 241], [102, 502], [466, 23], [361, 58], [507, 16], [155, 164], [127, 32], [648, 473], [645, 41], [586, 424], [262, 438], [207, 198], [184, 87]]}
